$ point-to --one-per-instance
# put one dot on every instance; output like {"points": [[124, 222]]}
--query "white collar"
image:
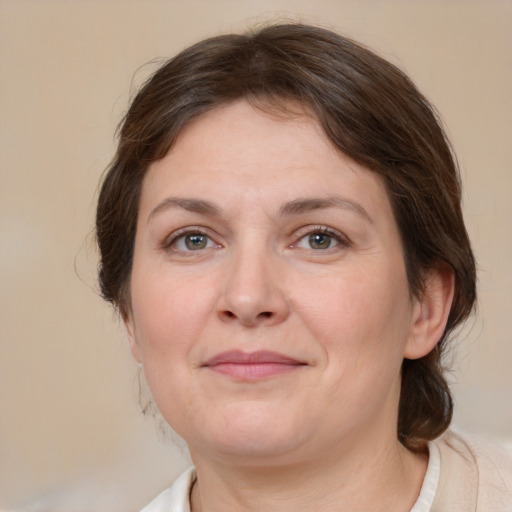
{"points": [[430, 482]]}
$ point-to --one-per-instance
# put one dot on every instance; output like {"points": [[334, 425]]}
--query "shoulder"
{"points": [[176, 498], [475, 475]]}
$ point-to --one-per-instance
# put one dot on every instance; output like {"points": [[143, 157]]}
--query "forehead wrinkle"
{"points": [[305, 205], [199, 206]]}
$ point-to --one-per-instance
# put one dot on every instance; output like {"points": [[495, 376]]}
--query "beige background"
{"points": [[71, 435]]}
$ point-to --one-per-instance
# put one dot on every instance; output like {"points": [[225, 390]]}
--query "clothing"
{"points": [[176, 498], [430, 481], [475, 476], [463, 475]]}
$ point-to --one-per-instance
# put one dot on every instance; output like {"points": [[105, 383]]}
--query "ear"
{"points": [[430, 313], [131, 331]]}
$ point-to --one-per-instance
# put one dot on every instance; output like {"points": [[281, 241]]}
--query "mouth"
{"points": [[250, 366]]}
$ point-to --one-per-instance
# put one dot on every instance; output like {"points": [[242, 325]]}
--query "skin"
{"points": [[224, 260]]}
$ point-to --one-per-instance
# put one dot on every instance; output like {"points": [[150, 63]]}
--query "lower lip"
{"points": [[254, 371]]}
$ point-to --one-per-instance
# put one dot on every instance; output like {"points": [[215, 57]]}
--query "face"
{"points": [[270, 306]]}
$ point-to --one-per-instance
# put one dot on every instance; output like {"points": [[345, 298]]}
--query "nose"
{"points": [[253, 294]]}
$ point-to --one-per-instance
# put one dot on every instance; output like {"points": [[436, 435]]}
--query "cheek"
{"points": [[169, 316], [361, 318], [169, 312]]}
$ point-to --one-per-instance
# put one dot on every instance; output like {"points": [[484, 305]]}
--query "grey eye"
{"points": [[195, 241], [192, 241], [320, 241]]}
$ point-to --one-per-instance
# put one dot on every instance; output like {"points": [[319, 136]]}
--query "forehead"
{"points": [[259, 154], [239, 130]]}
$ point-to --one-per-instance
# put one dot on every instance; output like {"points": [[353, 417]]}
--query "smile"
{"points": [[252, 366]]}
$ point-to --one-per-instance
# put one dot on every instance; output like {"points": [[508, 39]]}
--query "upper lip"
{"points": [[258, 357]]}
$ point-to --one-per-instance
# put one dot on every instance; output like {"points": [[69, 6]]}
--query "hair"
{"points": [[370, 111]]}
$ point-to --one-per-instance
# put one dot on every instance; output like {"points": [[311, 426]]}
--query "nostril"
{"points": [[247, 318]]}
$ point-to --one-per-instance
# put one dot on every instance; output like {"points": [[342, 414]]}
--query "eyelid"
{"points": [[169, 240], [341, 239]]}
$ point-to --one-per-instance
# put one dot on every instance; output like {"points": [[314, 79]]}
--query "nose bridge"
{"points": [[253, 292]]}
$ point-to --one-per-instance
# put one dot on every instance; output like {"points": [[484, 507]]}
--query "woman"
{"points": [[282, 234]]}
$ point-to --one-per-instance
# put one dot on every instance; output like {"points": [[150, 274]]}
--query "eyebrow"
{"points": [[192, 205], [295, 207], [299, 206]]}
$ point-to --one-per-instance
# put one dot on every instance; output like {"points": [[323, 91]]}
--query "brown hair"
{"points": [[370, 111]]}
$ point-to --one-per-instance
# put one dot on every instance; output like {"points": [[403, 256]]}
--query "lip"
{"points": [[250, 366]]}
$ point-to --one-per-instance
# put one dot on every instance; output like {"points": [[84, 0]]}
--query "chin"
{"points": [[255, 433]]}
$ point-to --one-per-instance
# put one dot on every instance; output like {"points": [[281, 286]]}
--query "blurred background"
{"points": [[72, 437]]}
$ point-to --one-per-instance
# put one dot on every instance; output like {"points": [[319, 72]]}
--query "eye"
{"points": [[192, 241], [320, 239]]}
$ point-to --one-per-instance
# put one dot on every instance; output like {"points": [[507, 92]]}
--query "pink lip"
{"points": [[253, 365]]}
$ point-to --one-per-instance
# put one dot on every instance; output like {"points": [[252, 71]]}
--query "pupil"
{"points": [[319, 241], [195, 242]]}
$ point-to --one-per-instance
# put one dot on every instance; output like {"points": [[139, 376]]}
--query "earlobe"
{"points": [[132, 338], [430, 313]]}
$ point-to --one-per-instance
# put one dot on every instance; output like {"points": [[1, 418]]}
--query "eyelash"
{"points": [[170, 242], [341, 240]]}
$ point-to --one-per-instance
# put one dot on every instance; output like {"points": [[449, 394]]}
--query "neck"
{"points": [[380, 477]]}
